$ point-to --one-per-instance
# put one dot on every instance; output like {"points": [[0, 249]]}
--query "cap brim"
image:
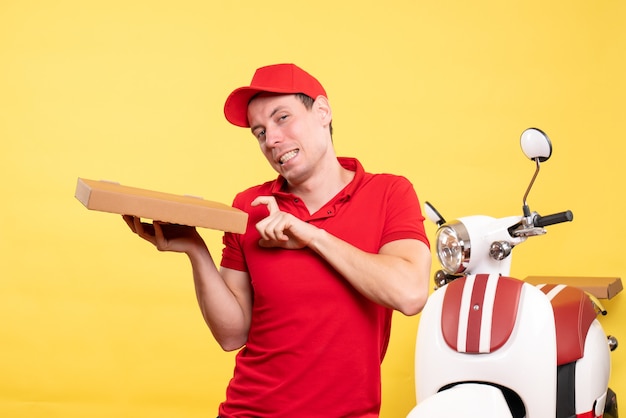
{"points": [[236, 106]]}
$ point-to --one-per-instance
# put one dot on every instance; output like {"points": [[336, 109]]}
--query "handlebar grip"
{"points": [[555, 218]]}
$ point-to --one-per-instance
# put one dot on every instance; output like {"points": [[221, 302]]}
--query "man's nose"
{"points": [[273, 137]]}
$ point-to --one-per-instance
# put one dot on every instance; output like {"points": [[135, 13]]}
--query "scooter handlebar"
{"points": [[555, 218]]}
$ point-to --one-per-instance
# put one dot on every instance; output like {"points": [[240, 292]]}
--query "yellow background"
{"points": [[96, 323]]}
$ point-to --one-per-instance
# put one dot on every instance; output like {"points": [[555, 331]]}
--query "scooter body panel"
{"points": [[525, 363], [592, 372]]}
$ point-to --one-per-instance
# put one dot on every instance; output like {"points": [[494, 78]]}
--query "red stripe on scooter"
{"points": [[474, 318], [504, 311], [450, 311], [502, 317]]}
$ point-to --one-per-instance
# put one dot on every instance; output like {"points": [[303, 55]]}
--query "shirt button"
{"points": [[296, 200], [329, 212]]}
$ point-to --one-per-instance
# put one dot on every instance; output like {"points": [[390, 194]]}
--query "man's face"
{"points": [[292, 137]]}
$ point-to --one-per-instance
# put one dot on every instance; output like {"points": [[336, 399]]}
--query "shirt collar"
{"points": [[348, 163]]}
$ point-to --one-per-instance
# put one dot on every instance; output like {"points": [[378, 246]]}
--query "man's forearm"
{"points": [[396, 277], [225, 310]]}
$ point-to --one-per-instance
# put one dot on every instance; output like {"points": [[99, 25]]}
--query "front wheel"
{"points": [[610, 408]]}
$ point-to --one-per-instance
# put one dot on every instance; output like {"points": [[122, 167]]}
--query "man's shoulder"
{"points": [[386, 179]]}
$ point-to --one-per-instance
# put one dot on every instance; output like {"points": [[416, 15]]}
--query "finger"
{"points": [[271, 244], [272, 228], [267, 243], [159, 236], [139, 227], [276, 228], [130, 222], [269, 201], [261, 228]]}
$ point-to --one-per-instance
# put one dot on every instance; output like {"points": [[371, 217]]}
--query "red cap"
{"points": [[279, 78]]}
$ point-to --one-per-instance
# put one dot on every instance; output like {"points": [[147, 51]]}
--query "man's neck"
{"points": [[322, 187]]}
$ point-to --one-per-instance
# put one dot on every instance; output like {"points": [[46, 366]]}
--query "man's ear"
{"points": [[322, 108]]}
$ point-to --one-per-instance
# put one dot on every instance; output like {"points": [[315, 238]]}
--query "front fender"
{"points": [[468, 400]]}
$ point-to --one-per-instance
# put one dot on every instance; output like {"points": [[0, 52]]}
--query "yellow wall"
{"points": [[94, 322]]}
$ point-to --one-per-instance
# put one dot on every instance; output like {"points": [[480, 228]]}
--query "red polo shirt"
{"points": [[316, 344]]}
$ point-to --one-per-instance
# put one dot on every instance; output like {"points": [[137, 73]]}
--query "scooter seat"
{"points": [[573, 315]]}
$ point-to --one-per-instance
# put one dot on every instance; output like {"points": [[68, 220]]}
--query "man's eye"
{"points": [[260, 134]]}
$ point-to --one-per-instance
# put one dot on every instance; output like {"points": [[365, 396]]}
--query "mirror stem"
{"points": [[525, 207]]}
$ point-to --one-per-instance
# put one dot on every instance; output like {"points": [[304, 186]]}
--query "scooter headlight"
{"points": [[453, 247]]}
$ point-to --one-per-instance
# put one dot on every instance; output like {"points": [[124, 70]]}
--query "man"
{"points": [[330, 251]]}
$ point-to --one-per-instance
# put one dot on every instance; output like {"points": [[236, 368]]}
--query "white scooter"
{"points": [[489, 345]]}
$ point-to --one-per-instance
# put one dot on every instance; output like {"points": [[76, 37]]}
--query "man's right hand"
{"points": [[165, 236]]}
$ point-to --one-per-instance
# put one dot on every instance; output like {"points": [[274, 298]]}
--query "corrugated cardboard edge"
{"points": [[111, 197], [600, 287], [82, 192]]}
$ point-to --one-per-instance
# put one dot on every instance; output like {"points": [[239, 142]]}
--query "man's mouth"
{"points": [[288, 156]]}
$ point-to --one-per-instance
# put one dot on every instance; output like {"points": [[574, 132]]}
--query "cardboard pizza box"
{"points": [[105, 196]]}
